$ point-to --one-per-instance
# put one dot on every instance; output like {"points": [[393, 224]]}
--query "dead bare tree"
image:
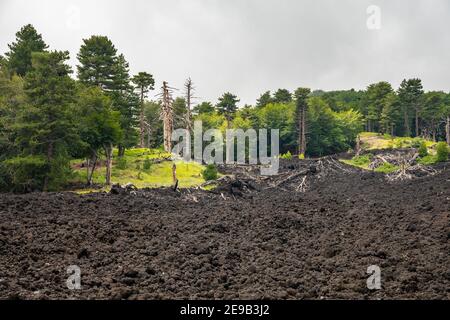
{"points": [[167, 115], [447, 129], [189, 91]]}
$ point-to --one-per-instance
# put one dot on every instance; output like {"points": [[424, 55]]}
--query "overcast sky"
{"points": [[250, 46]]}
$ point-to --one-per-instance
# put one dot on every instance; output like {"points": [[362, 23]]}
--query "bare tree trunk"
{"points": [[174, 176], [447, 129], [91, 171], [392, 129], [167, 117], [189, 96], [108, 151], [406, 124], [141, 120]]}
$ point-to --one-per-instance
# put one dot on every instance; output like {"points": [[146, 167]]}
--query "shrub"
{"points": [[147, 164], [27, 173], [121, 163], [423, 151], [210, 172], [417, 142], [442, 151], [301, 156], [287, 156]]}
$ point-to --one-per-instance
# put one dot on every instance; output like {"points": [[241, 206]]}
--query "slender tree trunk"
{"points": [[303, 145], [91, 171], [392, 129], [174, 177], [141, 118], [406, 123], [447, 129], [149, 134], [120, 151], [417, 123], [108, 151]]}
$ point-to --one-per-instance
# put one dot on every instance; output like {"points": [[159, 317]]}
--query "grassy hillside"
{"points": [[374, 141], [131, 169]]}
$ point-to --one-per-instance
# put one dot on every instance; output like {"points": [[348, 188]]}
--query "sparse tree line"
{"points": [[48, 116]]}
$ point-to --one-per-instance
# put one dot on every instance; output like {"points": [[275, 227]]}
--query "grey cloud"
{"points": [[250, 46]]}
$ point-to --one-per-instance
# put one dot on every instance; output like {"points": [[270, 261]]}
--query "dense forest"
{"points": [[50, 114]]}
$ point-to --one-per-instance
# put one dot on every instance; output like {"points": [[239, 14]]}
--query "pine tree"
{"points": [[264, 100], [27, 42], [282, 96], [126, 101], [46, 128], [228, 106], [97, 59], [410, 96], [144, 83]]}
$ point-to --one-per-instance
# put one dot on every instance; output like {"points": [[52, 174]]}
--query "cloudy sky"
{"points": [[250, 46]]}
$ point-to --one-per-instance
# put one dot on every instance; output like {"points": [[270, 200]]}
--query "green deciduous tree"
{"points": [[98, 128]]}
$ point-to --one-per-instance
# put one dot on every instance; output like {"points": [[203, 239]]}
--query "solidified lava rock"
{"points": [[193, 244]]}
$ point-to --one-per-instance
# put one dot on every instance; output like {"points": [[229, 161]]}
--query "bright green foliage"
{"points": [[423, 150], [19, 55], [121, 163], [442, 151], [147, 165], [210, 172], [286, 156], [387, 168], [99, 123]]}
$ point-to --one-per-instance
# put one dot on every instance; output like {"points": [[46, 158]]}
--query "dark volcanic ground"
{"points": [[272, 243]]}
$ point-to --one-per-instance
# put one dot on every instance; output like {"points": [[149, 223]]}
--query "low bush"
{"points": [[442, 151], [287, 156], [423, 150], [121, 163], [210, 172]]}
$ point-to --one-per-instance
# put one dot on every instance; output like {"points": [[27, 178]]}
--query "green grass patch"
{"points": [[428, 160], [136, 167], [387, 168], [360, 161]]}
